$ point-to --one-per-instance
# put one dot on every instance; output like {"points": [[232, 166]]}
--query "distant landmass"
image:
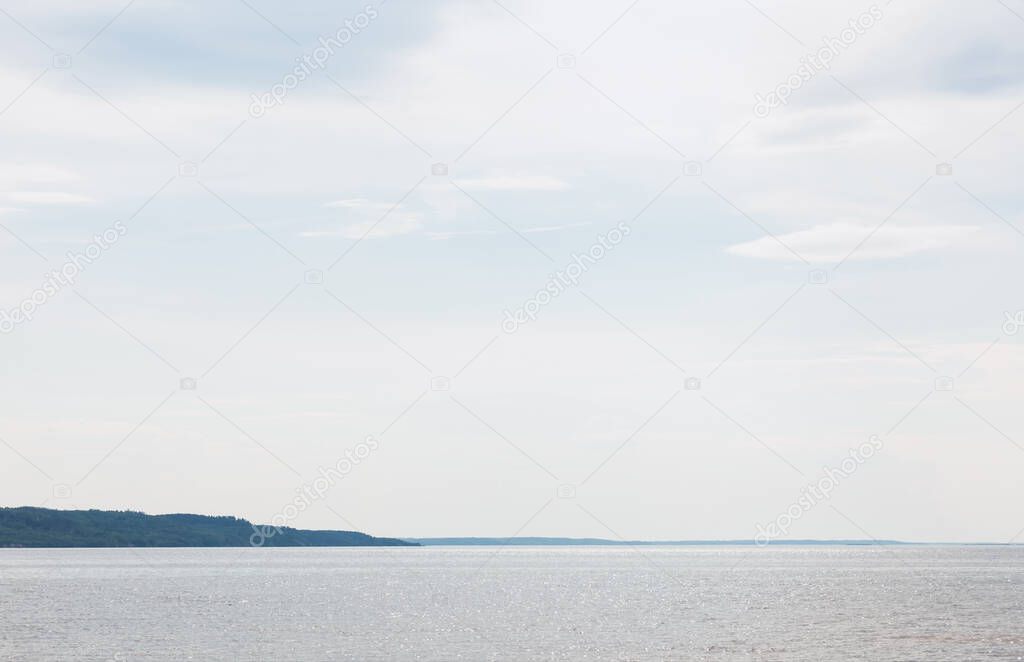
{"points": [[44, 527], [434, 542]]}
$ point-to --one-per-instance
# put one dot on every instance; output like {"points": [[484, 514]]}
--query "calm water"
{"points": [[712, 603]]}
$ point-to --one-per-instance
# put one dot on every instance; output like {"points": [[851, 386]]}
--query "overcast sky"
{"points": [[842, 266]]}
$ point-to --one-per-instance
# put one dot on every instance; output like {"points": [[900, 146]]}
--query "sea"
{"points": [[515, 603]]}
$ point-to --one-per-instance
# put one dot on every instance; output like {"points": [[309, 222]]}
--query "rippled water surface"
{"points": [[579, 603]]}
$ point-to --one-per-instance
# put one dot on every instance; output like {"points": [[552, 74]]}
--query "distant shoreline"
{"points": [[421, 543], [30, 527], [602, 542], [44, 528]]}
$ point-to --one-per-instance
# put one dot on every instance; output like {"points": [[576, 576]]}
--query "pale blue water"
{"points": [[704, 603]]}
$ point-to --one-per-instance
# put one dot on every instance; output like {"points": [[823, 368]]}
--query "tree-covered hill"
{"points": [[43, 527]]}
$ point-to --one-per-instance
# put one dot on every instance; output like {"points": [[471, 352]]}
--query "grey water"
{"points": [[522, 603]]}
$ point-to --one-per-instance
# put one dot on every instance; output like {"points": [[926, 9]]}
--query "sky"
{"points": [[630, 269]]}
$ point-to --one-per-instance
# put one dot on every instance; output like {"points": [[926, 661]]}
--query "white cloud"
{"points": [[48, 198], [393, 226], [369, 219], [350, 203], [19, 174], [833, 242], [514, 183], [554, 228], [459, 233]]}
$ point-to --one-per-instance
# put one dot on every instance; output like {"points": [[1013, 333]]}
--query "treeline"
{"points": [[43, 527]]}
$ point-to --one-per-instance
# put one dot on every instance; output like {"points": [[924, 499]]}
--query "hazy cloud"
{"points": [[833, 242]]}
